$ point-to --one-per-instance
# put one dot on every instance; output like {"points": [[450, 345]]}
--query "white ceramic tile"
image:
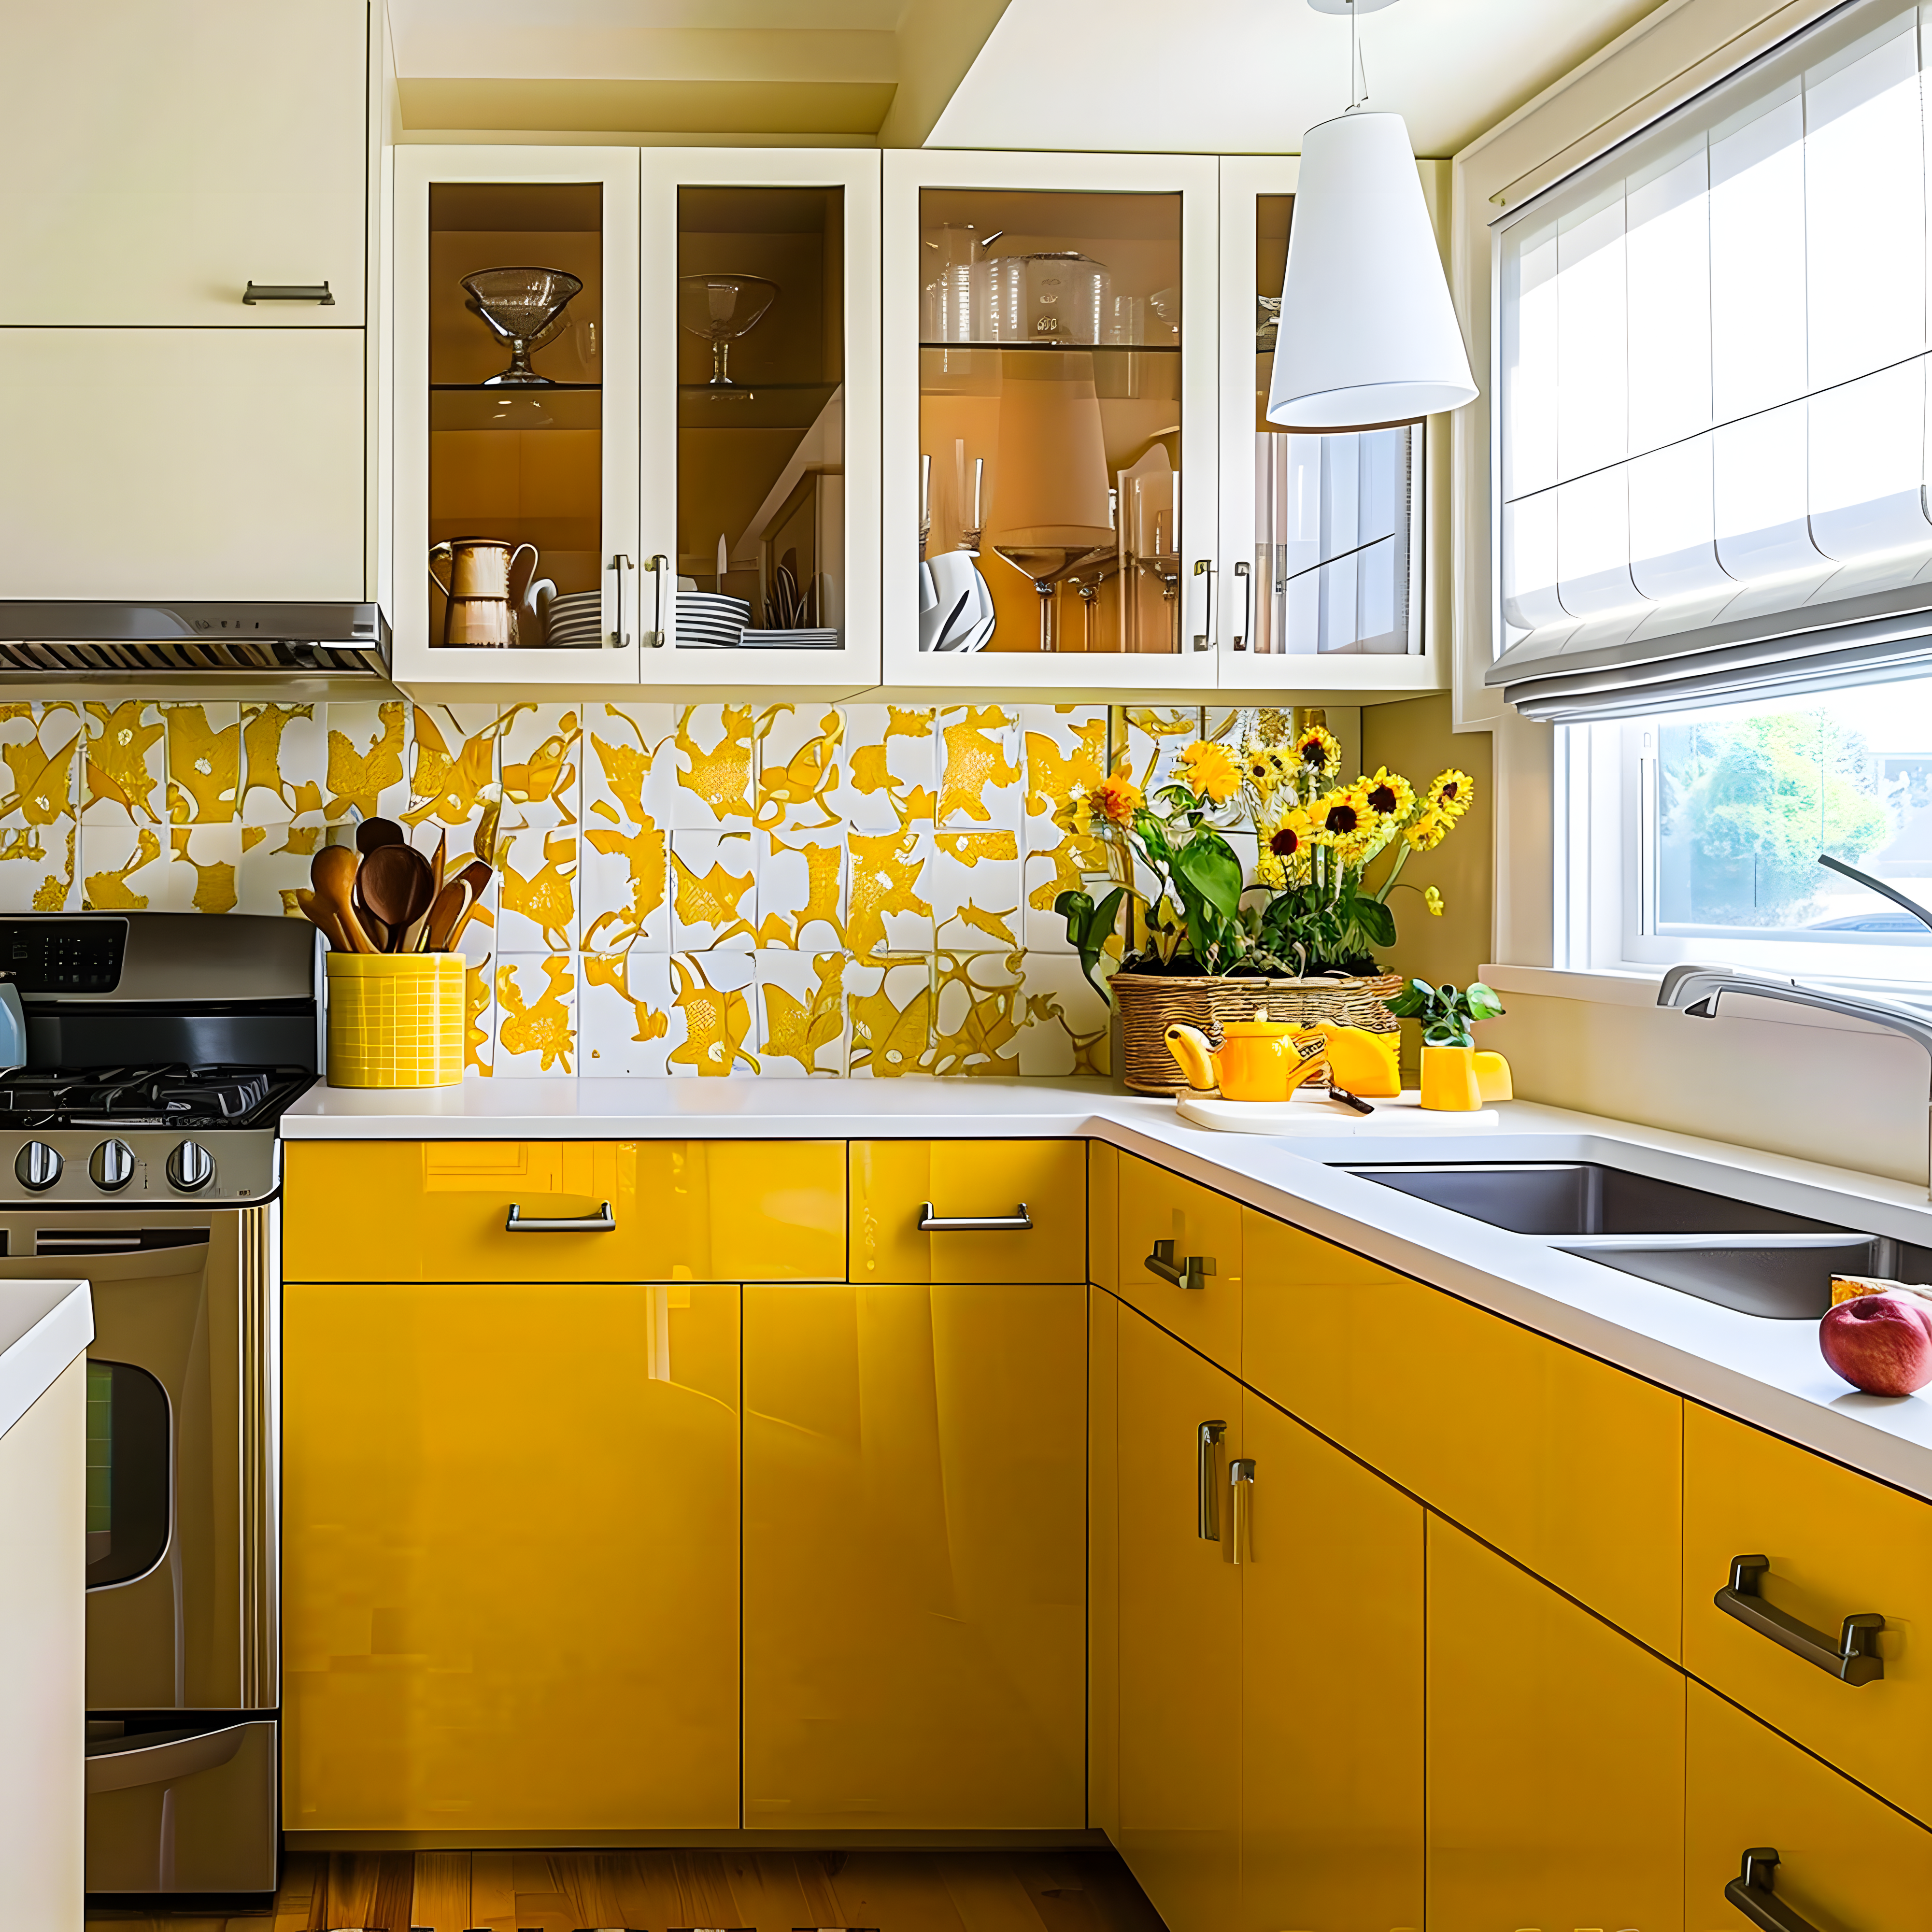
{"points": [[1066, 745], [800, 768], [131, 869], [1149, 738], [981, 780], [204, 763], [284, 760], [541, 760], [889, 1004], [713, 757], [801, 889], [275, 864], [712, 1033], [889, 781], [535, 885], [479, 1034], [802, 1023], [536, 1014], [366, 774], [41, 746], [623, 888], [453, 766], [124, 777], [975, 890], [1065, 1024], [887, 910], [976, 1014], [629, 764], [624, 1014], [714, 891], [1073, 865], [40, 867]]}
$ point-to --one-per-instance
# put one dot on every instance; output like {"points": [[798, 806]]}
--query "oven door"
{"points": [[181, 1602]]}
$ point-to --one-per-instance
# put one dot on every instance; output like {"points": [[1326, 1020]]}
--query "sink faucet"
{"points": [[1696, 990]]}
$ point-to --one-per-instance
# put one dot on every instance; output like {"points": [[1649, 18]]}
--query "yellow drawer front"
{"points": [[1839, 1545], [915, 1614], [1168, 1222], [1103, 1216], [510, 1557], [1569, 1466], [893, 1181], [684, 1210], [1844, 1859]]}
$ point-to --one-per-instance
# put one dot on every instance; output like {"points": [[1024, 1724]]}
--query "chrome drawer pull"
{"points": [[601, 1222], [1190, 1271], [1852, 1659], [1019, 1222], [1750, 1892], [289, 291], [1208, 1439]]}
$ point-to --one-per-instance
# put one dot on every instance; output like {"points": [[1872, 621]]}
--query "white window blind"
{"points": [[1712, 379]]}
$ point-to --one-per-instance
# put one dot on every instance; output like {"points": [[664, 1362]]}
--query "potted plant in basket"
{"points": [[1203, 942]]}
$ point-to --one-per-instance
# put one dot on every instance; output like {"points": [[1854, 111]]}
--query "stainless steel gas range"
{"points": [[138, 1146]]}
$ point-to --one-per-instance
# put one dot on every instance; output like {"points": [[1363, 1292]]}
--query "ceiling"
{"points": [[1252, 76], [1219, 76]]}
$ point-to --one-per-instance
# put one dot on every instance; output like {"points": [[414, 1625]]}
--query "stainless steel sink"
{"points": [[1759, 1261], [1581, 1197]]}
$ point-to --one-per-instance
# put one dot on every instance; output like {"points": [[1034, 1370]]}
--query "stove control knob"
{"points": [[111, 1166], [190, 1167], [37, 1166]]}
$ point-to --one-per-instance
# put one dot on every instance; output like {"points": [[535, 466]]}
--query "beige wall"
{"points": [[42, 1657]]}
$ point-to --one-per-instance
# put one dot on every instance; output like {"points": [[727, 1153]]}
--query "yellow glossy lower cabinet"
{"points": [[1180, 1632], [915, 1560], [510, 1557], [1555, 1762], [1847, 1862], [1332, 1692]]}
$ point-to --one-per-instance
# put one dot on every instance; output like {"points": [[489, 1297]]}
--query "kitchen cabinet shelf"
{"points": [[468, 406], [1064, 348], [752, 406]]}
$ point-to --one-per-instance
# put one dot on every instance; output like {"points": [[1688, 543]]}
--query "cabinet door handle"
{"points": [[1204, 566], [1207, 1439], [659, 567], [620, 637], [1190, 1271], [1245, 571], [1851, 1659], [1750, 1892], [1241, 1497], [1019, 1222], [601, 1222], [303, 292]]}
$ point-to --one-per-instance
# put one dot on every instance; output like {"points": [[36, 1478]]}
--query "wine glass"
{"points": [[518, 305], [720, 308]]}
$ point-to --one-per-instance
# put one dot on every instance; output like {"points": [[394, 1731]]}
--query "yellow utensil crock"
{"points": [[395, 1019]]}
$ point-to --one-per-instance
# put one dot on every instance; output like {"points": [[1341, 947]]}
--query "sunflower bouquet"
{"points": [[1311, 907]]}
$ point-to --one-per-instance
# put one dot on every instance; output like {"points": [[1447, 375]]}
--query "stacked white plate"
{"points": [[705, 618], [575, 622], [791, 640]]}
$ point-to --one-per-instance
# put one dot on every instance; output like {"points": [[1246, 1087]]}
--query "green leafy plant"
{"points": [[1447, 1013]]}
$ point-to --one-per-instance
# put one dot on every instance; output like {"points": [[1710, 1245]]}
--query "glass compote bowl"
{"points": [[518, 305], [720, 308]]}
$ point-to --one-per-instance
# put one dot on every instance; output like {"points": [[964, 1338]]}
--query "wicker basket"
{"points": [[1149, 1003]]}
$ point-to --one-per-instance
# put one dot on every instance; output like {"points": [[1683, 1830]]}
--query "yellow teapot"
{"points": [[1259, 1059]]}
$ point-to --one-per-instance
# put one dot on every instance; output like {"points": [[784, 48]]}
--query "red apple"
{"points": [[1880, 1343]]}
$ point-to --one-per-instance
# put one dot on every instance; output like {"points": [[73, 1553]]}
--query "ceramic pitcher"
{"points": [[491, 595]]}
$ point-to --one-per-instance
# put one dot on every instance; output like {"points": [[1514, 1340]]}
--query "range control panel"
{"points": [[63, 955]]}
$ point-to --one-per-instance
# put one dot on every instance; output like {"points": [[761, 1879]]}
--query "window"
{"points": [[1702, 829], [1711, 370]]}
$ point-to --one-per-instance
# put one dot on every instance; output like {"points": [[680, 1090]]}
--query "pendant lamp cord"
{"points": [[1357, 66]]}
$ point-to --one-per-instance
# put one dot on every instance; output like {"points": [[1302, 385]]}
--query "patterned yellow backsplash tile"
{"points": [[700, 891]]}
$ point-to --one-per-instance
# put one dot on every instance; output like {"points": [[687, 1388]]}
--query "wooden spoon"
{"points": [[374, 833], [485, 844], [476, 875], [446, 915], [394, 882], [412, 940], [323, 920], [332, 874]]}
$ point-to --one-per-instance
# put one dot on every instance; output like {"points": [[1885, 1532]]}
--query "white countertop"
{"points": [[1768, 1372], [44, 1325]]}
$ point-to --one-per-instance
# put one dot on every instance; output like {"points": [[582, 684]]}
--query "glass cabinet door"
{"points": [[1321, 536], [760, 418], [1050, 422], [516, 550]]}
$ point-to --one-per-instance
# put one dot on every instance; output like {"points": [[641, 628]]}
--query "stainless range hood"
{"points": [[114, 640]]}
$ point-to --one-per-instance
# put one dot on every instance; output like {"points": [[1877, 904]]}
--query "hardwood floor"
{"points": [[1072, 1891]]}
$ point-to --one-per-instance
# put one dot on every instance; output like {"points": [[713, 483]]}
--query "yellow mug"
{"points": [[1458, 1080]]}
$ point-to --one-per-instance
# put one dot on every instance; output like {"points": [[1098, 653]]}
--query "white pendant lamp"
{"points": [[1367, 335]]}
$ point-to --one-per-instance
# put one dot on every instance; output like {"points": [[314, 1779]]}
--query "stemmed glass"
{"points": [[720, 308], [518, 305]]}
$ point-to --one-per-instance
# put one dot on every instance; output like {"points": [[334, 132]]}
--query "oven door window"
{"points": [[130, 1454]]}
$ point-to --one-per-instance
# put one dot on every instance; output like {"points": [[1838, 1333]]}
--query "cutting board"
{"points": [[1316, 1113]]}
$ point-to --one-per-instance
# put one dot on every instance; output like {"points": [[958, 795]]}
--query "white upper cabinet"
{"points": [[759, 354], [1050, 424], [160, 155], [516, 415], [1322, 548]]}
